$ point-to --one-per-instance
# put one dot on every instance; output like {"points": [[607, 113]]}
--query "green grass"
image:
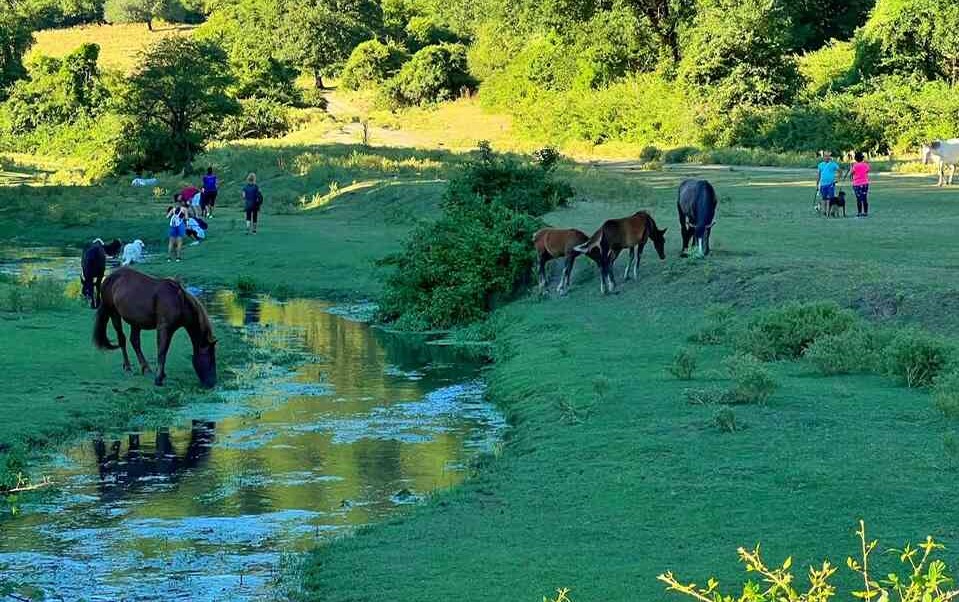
{"points": [[609, 476], [643, 482]]}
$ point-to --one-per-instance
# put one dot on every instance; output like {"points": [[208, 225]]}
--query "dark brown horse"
{"points": [[93, 265], [553, 243], [147, 303], [615, 235]]}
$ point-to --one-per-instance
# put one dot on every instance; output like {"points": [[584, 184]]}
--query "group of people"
{"points": [[191, 205], [831, 174]]}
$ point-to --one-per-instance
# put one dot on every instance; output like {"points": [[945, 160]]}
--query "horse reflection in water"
{"points": [[142, 462]]}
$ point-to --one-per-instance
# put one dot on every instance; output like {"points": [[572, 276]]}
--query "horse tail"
{"points": [[100, 338], [595, 240], [706, 209]]}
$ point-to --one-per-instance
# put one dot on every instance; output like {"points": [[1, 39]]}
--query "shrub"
{"points": [[785, 333], [434, 74], [372, 63], [916, 358], [314, 97], [945, 394], [682, 154], [258, 118], [926, 578], [725, 420], [649, 154], [858, 349], [684, 364], [451, 272], [718, 327], [752, 380], [245, 285]]}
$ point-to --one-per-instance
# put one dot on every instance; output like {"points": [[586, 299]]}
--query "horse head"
{"points": [[659, 241], [927, 151], [204, 363]]}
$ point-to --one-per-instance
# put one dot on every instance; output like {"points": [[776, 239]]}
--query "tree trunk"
{"points": [[150, 24], [318, 80]]}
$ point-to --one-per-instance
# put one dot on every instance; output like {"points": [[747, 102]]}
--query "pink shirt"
{"points": [[860, 174]]}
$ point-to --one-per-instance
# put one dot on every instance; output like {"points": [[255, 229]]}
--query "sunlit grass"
{"points": [[119, 44]]}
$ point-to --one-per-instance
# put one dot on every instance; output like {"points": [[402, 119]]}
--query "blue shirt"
{"points": [[209, 183], [827, 172]]}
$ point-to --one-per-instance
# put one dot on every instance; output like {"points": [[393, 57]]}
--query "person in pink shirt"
{"points": [[859, 172]]}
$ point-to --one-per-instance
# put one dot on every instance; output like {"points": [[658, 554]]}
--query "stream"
{"points": [[218, 505]]}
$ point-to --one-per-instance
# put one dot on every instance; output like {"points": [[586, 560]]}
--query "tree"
{"points": [[255, 59], [15, 39], [665, 18], [910, 37], [320, 34], [737, 53], [143, 11], [176, 97]]}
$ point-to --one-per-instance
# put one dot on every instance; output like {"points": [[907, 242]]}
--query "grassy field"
{"points": [[119, 44], [610, 477]]}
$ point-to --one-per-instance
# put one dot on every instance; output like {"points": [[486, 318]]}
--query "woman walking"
{"points": [[177, 214], [252, 200], [859, 173]]}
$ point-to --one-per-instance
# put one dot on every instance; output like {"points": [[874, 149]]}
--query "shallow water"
{"points": [[365, 424]]}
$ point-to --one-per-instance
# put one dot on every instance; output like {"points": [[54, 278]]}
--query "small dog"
{"points": [[133, 252], [836, 204], [832, 207]]}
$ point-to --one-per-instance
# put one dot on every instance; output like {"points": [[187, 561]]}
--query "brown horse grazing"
{"points": [[614, 235], [553, 243], [147, 303]]}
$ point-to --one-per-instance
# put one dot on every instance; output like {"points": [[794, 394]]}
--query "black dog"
{"points": [[835, 204]]}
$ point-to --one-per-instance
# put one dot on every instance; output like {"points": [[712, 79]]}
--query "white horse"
{"points": [[943, 153]]}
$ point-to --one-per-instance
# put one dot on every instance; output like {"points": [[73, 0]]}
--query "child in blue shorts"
{"points": [[177, 214]]}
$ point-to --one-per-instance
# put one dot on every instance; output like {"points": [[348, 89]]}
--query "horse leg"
{"points": [[629, 264], [611, 284], [98, 290], [942, 170], [952, 173], [135, 342], [639, 256], [543, 258], [567, 271], [121, 339], [163, 346]]}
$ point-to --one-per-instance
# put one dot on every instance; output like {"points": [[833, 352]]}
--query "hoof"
{"points": [[127, 368]]}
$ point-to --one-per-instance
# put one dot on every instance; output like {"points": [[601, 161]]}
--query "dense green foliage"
{"points": [[148, 11], [372, 63], [479, 252], [15, 38], [433, 74], [177, 100]]}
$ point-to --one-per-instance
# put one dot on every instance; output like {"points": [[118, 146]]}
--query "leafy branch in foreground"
{"points": [[927, 579]]}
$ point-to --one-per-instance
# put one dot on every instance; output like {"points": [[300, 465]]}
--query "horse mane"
{"points": [[199, 314]]}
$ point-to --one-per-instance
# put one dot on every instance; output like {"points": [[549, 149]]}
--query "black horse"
{"points": [[93, 266], [697, 212]]}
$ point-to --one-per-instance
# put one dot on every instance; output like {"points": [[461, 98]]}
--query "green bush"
{"points": [[916, 358], [858, 349], [725, 420], [372, 63], [681, 154], [945, 394], [683, 365], [752, 380], [451, 272], [718, 327], [650, 153], [433, 74], [258, 118], [786, 332]]}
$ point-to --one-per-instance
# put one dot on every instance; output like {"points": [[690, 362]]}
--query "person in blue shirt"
{"points": [[252, 201], [829, 174], [208, 193]]}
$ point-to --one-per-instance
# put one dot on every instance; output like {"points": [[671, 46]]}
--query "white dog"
{"points": [[133, 252]]}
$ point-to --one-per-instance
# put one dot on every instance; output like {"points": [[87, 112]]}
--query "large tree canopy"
{"points": [[177, 98], [15, 39], [320, 34]]}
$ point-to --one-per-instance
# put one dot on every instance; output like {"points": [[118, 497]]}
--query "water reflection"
{"points": [[368, 423]]}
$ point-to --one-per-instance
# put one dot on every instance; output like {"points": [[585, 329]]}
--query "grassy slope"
{"points": [[119, 44], [647, 483]]}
